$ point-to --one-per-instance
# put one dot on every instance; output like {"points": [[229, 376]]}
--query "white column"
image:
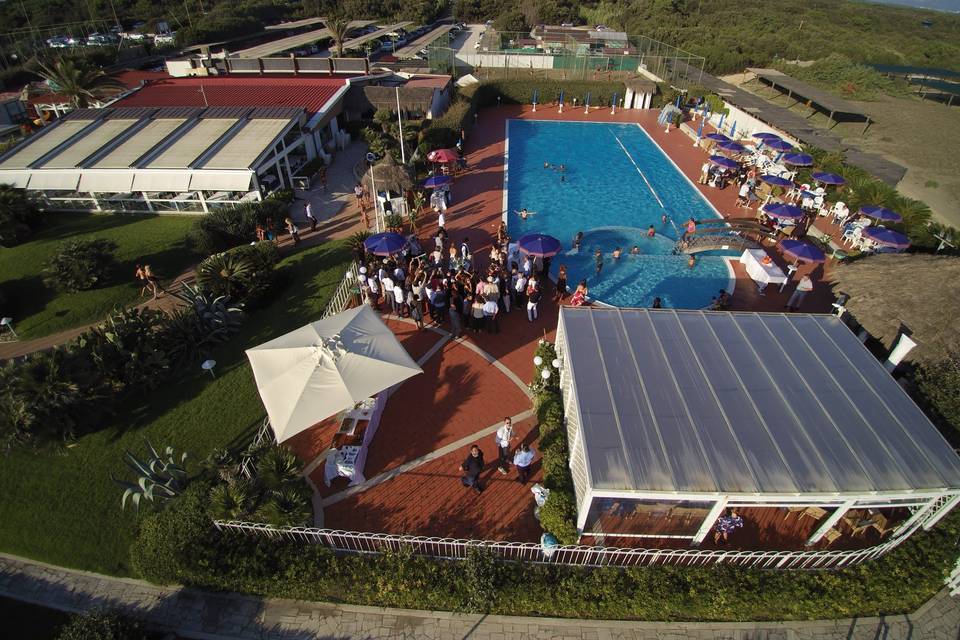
{"points": [[628, 99], [712, 517], [899, 352], [647, 100], [829, 522], [146, 199]]}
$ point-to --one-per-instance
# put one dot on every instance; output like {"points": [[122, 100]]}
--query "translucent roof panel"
{"points": [[39, 145], [743, 403], [246, 146], [139, 143], [89, 144], [192, 144]]}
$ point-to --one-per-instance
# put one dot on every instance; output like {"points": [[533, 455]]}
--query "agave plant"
{"points": [[278, 467], [159, 477], [288, 507], [355, 242], [224, 273], [231, 500], [191, 332], [223, 463]]}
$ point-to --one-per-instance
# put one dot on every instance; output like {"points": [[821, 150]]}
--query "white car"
{"points": [[165, 38], [136, 36]]}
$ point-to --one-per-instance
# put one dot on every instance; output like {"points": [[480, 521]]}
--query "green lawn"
{"points": [[39, 310], [64, 509]]}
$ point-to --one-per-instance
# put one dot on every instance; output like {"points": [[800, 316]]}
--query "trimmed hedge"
{"points": [[179, 544]]}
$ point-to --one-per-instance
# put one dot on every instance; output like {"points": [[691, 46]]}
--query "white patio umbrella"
{"points": [[326, 367]]}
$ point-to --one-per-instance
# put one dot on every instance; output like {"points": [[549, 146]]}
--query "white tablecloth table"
{"points": [[349, 461], [762, 274]]}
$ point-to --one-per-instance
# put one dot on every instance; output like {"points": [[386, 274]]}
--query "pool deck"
{"points": [[469, 385]]}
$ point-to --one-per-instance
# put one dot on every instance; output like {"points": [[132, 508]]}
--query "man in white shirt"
{"points": [[504, 437], [804, 287], [522, 459], [387, 283]]}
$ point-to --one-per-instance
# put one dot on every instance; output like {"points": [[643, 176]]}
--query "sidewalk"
{"points": [[334, 207], [198, 614]]}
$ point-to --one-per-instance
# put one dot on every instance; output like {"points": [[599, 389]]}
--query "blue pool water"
{"points": [[604, 195]]}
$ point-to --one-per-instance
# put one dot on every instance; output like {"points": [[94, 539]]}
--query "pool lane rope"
{"points": [[639, 170]]}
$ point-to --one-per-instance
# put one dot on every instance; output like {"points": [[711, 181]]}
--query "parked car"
{"points": [[136, 36], [601, 27], [566, 24], [59, 42], [165, 38]]}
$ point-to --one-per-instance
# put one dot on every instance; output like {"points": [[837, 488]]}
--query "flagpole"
{"points": [[403, 153]]}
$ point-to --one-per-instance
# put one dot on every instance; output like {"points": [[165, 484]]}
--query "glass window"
{"points": [[646, 517]]}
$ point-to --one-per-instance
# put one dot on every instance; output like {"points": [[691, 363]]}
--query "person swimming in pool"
{"points": [[635, 251], [616, 253], [524, 214], [651, 232]]}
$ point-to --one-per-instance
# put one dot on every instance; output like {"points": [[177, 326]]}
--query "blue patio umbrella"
{"points": [[798, 159], [385, 244], [587, 100], [560, 99], [887, 237], [881, 213], [722, 161], [765, 136], [678, 101], [720, 125], [777, 144], [733, 130], [799, 250], [437, 181], [783, 211], [536, 95], [731, 146], [719, 137], [700, 130], [776, 181], [828, 178], [538, 244]]}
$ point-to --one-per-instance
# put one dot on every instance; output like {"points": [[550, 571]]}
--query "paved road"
{"points": [[423, 41], [215, 616]]}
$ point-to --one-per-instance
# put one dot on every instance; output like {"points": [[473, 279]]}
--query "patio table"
{"points": [[349, 460], [762, 274]]}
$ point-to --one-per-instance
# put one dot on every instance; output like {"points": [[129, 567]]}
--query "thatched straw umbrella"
{"points": [[919, 291], [390, 176]]}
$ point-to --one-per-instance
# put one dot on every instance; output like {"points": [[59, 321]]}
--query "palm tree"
{"points": [[80, 83], [339, 27]]}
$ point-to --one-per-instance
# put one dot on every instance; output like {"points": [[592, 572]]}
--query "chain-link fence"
{"points": [[568, 55]]}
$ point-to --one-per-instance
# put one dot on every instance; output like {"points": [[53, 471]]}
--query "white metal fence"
{"points": [[246, 461], [575, 555], [345, 294], [953, 580]]}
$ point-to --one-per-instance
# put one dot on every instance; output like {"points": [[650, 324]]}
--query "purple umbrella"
{"points": [[719, 137], [765, 136], [385, 244], [777, 144], [887, 237], [881, 213], [437, 181], [799, 250], [798, 159], [538, 244], [721, 161], [732, 147], [828, 178], [776, 181], [783, 211]]}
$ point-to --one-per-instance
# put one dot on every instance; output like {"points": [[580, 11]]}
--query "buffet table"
{"points": [[351, 443], [762, 274]]}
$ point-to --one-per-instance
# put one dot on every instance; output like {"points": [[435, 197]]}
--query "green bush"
{"points": [[18, 215], [190, 332], [244, 274], [78, 265], [939, 386], [841, 75], [100, 625], [225, 228], [126, 349]]}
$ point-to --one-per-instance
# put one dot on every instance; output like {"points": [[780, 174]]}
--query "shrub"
{"points": [[18, 215], [223, 229], [232, 500], [244, 274], [126, 349], [939, 386], [78, 265], [191, 332], [100, 625], [278, 468], [558, 516], [288, 507]]}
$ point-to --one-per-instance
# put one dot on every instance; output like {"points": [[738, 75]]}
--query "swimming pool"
{"points": [[616, 182]]}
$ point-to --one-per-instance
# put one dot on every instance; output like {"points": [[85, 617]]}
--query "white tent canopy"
{"points": [[326, 367]]}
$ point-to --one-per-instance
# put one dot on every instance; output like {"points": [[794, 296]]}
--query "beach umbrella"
{"points": [[776, 181], [442, 155], [560, 98], [881, 213], [326, 367], [733, 130], [437, 181], [385, 244], [538, 244], [828, 178], [798, 159], [887, 237], [731, 147], [799, 250], [700, 131], [725, 162], [719, 137], [783, 211], [720, 125], [678, 101], [765, 136], [777, 144]]}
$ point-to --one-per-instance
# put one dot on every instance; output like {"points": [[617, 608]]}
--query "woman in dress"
{"points": [[561, 285], [579, 297]]}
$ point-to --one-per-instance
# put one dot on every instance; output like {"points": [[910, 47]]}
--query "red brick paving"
{"points": [[430, 501]]}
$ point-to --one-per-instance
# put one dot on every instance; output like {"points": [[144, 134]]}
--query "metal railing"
{"points": [[345, 295], [246, 462], [953, 580], [573, 555]]}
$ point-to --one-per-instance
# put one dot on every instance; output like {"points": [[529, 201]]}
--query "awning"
{"points": [[175, 181], [221, 181], [16, 179], [54, 180], [106, 181]]}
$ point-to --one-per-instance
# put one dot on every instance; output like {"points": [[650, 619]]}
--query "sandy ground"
{"points": [[921, 135]]}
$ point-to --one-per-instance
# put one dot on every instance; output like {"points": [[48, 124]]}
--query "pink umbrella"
{"points": [[442, 155]]}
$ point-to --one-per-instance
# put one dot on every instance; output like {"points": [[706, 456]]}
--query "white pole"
{"points": [[403, 153], [376, 211]]}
